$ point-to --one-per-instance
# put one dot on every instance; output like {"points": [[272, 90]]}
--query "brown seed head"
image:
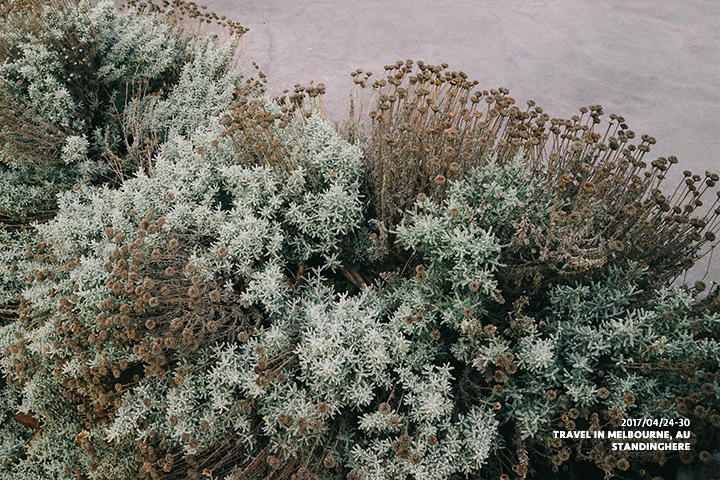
{"points": [[393, 421]]}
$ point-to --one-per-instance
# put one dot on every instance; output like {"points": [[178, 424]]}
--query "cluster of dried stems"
{"points": [[157, 309], [267, 136], [429, 126], [190, 17]]}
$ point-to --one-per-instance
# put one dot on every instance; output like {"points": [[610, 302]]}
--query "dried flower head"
{"points": [[322, 407]]}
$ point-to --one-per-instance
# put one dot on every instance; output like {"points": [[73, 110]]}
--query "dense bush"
{"points": [[87, 94], [123, 78], [264, 299]]}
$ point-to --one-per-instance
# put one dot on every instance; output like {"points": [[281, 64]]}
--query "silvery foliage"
{"points": [[206, 83], [15, 264], [602, 315], [584, 329], [594, 328], [13, 435], [137, 49], [457, 251], [136, 56], [467, 441]]}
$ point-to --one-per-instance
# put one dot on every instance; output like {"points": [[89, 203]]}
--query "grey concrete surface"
{"points": [[655, 63]]}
